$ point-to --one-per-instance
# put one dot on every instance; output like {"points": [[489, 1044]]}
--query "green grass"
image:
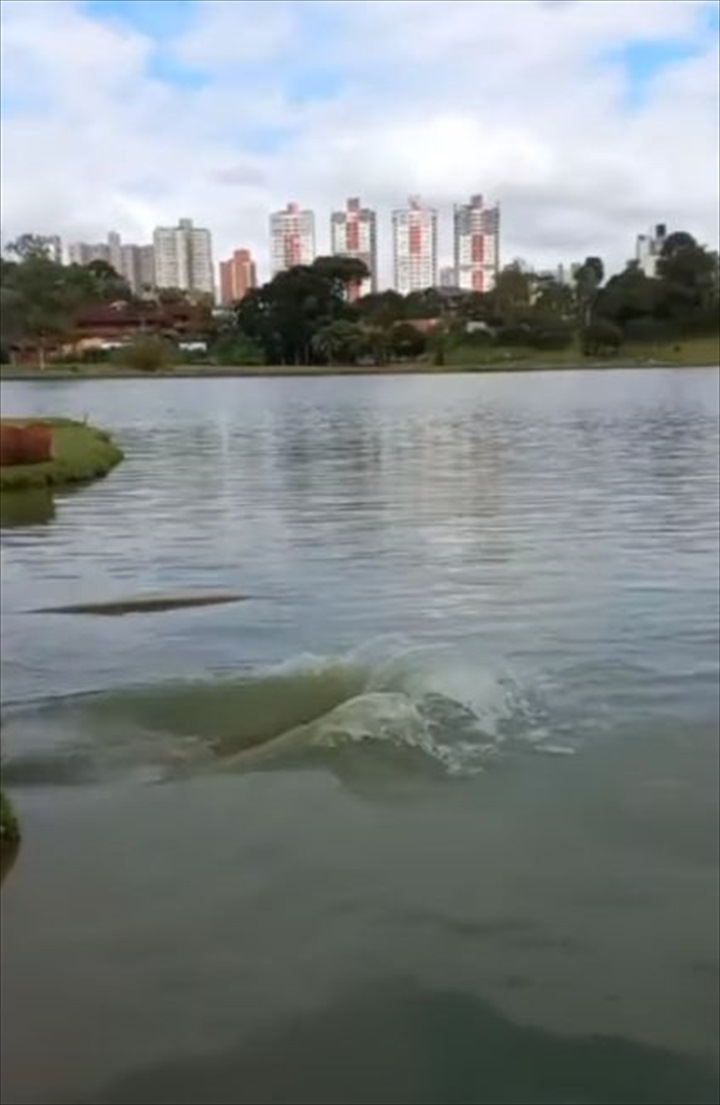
{"points": [[689, 351], [467, 357], [80, 453]]}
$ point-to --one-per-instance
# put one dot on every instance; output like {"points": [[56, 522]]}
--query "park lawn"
{"points": [[698, 352]]}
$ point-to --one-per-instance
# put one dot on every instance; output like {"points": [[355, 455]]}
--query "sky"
{"points": [[588, 120]]}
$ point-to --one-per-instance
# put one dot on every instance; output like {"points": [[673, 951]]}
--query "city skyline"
{"points": [[353, 233], [570, 107], [292, 241]]}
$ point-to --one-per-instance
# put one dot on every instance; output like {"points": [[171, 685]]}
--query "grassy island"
{"points": [[80, 452]]}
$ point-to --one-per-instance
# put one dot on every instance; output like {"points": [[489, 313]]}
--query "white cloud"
{"points": [[228, 32], [442, 98]]}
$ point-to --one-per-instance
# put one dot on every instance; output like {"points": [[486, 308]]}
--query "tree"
{"points": [[12, 317], [554, 298], [678, 240], [425, 304], [381, 309], [406, 341], [108, 285], [629, 295], [601, 337], [341, 342], [38, 301], [692, 268], [285, 314], [588, 280], [29, 245], [346, 274], [512, 290]]}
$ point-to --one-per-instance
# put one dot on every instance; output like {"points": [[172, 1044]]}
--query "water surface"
{"points": [[432, 814]]}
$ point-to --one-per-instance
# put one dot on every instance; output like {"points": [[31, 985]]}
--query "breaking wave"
{"points": [[383, 707]]}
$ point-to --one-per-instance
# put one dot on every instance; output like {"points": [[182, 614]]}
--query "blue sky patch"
{"points": [[158, 19], [643, 60]]}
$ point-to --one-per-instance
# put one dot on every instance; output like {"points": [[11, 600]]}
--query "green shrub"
{"points": [[406, 341], [601, 338], [236, 348], [517, 334], [146, 354], [557, 337]]}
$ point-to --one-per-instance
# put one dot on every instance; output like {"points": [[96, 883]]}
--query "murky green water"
{"points": [[433, 814]]}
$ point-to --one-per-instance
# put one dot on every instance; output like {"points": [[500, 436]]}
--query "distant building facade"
{"points": [[146, 266], [83, 253], [183, 258], [136, 264], [477, 245], [648, 249], [292, 238], [414, 231], [237, 277], [448, 277], [353, 233]]}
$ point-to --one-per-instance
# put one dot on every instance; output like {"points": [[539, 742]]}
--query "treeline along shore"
{"points": [[83, 319]]}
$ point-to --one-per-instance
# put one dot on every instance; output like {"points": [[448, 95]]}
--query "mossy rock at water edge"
{"points": [[80, 453]]}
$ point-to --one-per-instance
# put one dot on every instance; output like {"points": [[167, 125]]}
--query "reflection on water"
{"points": [[364, 876], [26, 508]]}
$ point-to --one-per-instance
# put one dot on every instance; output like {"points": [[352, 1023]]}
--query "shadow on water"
{"points": [[401, 1043], [8, 855], [26, 508]]}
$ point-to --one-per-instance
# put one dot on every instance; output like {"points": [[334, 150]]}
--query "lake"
{"points": [[430, 815]]}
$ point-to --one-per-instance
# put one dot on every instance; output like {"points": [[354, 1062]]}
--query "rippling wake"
{"points": [[385, 707]]}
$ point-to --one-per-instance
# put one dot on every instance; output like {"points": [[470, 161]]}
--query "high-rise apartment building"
{"points": [[131, 266], [83, 253], [448, 277], [115, 251], [146, 268], [477, 245], [292, 238], [414, 247], [353, 233], [648, 249], [136, 264], [183, 258], [237, 277]]}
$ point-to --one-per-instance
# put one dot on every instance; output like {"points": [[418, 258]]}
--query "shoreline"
{"points": [[283, 371]]}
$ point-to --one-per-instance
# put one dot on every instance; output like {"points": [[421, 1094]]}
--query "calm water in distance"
{"points": [[432, 815]]}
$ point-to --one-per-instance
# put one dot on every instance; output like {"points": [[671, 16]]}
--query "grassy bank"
{"points": [[80, 453], [692, 352]]}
